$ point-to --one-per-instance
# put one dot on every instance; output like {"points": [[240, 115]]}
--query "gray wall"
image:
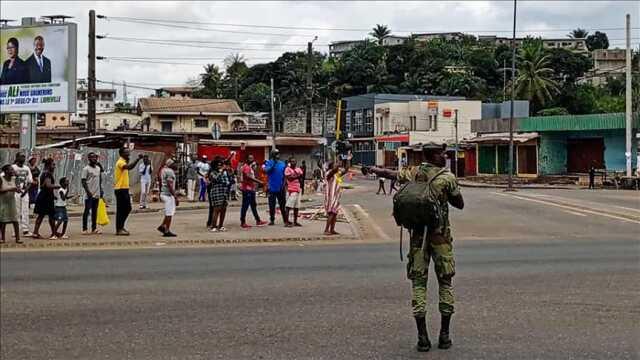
{"points": [[69, 163]]}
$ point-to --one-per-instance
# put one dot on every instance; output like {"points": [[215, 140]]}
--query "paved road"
{"points": [[550, 285]]}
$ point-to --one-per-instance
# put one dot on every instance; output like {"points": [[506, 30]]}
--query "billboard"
{"points": [[38, 68]]}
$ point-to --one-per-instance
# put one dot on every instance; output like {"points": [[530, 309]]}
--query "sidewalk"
{"points": [[189, 224], [474, 184]]}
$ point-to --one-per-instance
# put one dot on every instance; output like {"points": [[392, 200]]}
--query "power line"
{"points": [[176, 58], [205, 41], [167, 43], [132, 19], [152, 62]]}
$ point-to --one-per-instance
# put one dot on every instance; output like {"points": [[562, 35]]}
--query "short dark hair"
{"points": [[63, 179], [13, 41], [122, 150]]}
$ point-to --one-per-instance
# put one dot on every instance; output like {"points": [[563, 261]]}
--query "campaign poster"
{"points": [[38, 72]]}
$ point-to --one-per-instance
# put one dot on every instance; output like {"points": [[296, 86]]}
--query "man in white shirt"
{"points": [[203, 170], [145, 170], [23, 182]]}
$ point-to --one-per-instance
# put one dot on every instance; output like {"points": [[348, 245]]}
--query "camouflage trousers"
{"points": [[439, 249]]}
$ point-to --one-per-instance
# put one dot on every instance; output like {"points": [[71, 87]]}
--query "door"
{"points": [[167, 126], [527, 160], [583, 153], [486, 159]]}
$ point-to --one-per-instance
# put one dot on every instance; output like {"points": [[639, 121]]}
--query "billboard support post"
{"points": [[91, 75]]}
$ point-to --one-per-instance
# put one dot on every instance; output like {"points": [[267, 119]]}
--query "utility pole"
{"points": [[124, 92], [91, 75], [455, 163], [504, 79], [309, 86], [273, 119], [513, 71], [628, 109]]}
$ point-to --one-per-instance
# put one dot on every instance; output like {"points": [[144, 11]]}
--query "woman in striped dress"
{"points": [[218, 178], [332, 194]]}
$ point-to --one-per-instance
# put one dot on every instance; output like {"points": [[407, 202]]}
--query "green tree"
{"points": [[534, 79], [568, 66], [380, 32], [210, 82], [578, 33], [256, 97], [235, 69], [597, 40]]}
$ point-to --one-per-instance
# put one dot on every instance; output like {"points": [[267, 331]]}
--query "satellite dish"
{"points": [[215, 131]]}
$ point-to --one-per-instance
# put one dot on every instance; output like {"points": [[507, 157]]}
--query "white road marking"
{"points": [[566, 207], [626, 208], [575, 213], [383, 235]]}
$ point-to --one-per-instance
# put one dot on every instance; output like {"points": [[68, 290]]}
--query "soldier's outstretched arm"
{"points": [[385, 173]]}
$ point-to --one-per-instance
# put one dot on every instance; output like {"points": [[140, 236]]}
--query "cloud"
{"points": [[409, 16]]}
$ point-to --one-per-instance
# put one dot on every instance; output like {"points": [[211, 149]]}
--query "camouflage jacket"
{"points": [[445, 186]]}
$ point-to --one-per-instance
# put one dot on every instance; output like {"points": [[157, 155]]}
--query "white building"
{"points": [[118, 120], [105, 102], [418, 122]]}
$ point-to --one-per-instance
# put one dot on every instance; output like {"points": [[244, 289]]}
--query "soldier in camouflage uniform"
{"points": [[436, 246]]}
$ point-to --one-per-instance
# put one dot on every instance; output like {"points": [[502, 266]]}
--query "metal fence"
{"points": [[69, 164]]}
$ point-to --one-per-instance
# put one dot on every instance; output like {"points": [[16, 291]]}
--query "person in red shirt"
{"points": [[248, 186], [293, 175]]}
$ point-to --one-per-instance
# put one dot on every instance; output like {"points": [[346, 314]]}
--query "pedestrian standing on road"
{"points": [[218, 195], [203, 170], [393, 187], [274, 168], [435, 245], [248, 187], [145, 172], [121, 189], [303, 167], [233, 181], [293, 175], [592, 177], [381, 186], [168, 197], [332, 194], [8, 209], [192, 178], [60, 208], [23, 180], [91, 179], [45, 202], [35, 175]]}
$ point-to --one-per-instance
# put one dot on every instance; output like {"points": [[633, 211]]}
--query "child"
{"points": [[332, 194], [8, 209], [293, 175], [60, 209]]}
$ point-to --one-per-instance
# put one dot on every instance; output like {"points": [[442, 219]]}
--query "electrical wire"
{"points": [[152, 42], [206, 41], [133, 19]]}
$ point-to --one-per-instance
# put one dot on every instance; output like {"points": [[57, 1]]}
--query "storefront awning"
{"points": [[502, 138], [393, 138]]}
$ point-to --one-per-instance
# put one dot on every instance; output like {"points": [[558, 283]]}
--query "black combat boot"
{"points": [[424, 344], [444, 341]]}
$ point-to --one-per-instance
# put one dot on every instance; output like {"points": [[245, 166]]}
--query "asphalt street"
{"points": [[534, 281]]}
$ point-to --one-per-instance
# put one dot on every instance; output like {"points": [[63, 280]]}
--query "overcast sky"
{"points": [[549, 19]]}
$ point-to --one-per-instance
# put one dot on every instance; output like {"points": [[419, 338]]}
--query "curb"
{"points": [[158, 243], [500, 186]]}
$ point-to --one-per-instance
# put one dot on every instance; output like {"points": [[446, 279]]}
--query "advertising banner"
{"points": [[38, 68]]}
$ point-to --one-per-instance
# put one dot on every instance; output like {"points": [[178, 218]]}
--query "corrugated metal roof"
{"points": [[575, 122]]}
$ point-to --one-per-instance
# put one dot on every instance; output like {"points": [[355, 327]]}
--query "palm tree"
{"points": [[534, 78], [380, 32], [578, 34]]}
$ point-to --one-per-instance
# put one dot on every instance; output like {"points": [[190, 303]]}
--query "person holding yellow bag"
{"points": [[92, 184]]}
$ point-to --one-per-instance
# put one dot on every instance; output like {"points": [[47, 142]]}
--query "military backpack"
{"points": [[416, 205]]}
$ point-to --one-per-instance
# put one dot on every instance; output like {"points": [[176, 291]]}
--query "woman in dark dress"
{"points": [[14, 70], [35, 174], [45, 199]]}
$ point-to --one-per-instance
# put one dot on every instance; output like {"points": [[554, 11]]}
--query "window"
{"points": [[80, 105], [107, 105], [347, 121], [368, 121], [201, 123], [54, 118], [62, 118], [167, 126]]}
